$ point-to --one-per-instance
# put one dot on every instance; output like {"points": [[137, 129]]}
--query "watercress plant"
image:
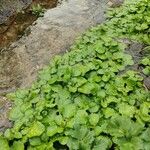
{"points": [[81, 101]]}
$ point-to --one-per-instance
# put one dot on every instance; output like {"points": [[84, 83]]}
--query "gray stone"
{"points": [[147, 83], [115, 3], [5, 106]]}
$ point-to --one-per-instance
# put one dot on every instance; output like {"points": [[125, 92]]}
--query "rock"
{"points": [[115, 3], [5, 106], [9, 7], [147, 82], [53, 34], [135, 50], [9, 69], [3, 28], [138, 51]]}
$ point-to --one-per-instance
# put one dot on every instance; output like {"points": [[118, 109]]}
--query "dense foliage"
{"points": [[81, 101], [132, 20]]}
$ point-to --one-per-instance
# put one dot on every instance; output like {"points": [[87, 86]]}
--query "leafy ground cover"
{"points": [[81, 101]]}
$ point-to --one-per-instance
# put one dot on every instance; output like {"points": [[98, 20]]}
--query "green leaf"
{"points": [[82, 102], [144, 111], [102, 143], [17, 145], [101, 129], [99, 47], [145, 61], [144, 26], [126, 109], [101, 93], [81, 117], [109, 100], [134, 143], [4, 144], [73, 143], [59, 119], [117, 128], [86, 88], [63, 140], [94, 119], [94, 77], [69, 111], [36, 129], [146, 70], [52, 130], [109, 112], [145, 135], [15, 113], [105, 78], [35, 141]]}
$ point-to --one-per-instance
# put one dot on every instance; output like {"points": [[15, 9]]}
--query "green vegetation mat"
{"points": [[82, 101]]}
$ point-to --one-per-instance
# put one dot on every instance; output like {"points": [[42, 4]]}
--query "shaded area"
{"points": [[14, 20], [138, 51]]}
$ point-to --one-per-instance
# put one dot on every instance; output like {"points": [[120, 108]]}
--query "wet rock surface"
{"points": [[9, 7], [13, 28], [53, 34]]}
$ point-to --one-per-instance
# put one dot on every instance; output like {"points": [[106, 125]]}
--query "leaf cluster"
{"points": [[37, 10], [132, 20]]}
